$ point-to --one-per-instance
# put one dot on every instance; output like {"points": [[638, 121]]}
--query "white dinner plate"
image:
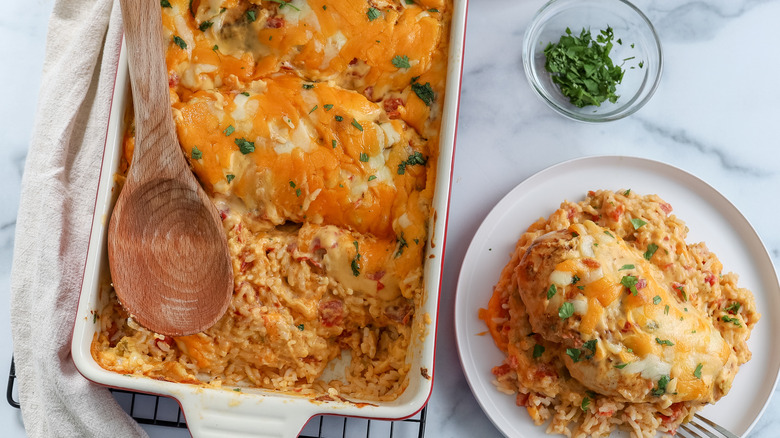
{"points": [[710, 217]]}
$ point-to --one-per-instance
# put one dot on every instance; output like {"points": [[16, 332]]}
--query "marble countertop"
{"points": [[714, 115]]}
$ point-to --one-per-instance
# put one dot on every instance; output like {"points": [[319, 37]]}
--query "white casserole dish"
{"points": [[212, 412]]}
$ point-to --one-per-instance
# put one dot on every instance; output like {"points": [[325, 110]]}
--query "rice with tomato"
{"points": [[610, 319]]}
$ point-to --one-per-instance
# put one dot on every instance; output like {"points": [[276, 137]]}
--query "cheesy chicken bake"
{"points": [[609, 318], [313, 125]]}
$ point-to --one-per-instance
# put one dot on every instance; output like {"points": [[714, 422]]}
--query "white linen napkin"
{"points": [[55, 212]]}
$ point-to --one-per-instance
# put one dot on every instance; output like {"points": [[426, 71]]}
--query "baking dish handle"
{"points": [[234, 416]]}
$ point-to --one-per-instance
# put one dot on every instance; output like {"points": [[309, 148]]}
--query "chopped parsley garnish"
{"points": [[251, 16], [582, 68], [196, 153], [415, 158], [333, 143], [215, 48], [735, 321], [638, 223], [624, 267], [339, 118], [609, 234], [355, 266], [661, 390], [627, 192], [630, 282], [245, 93], [433, 10], [424, 92], [574, 279], [656, 299], [373, 14], [328, 107], [538, 350], [409, 2], [298, 192], [179, 42], [734, 307], [591, 345], [585, 404], [551, 291], [165, 3], [574, 354], [237, 389], [364, 157], [308, 86], [371, 177], [581, 287], [292, 184], [245, 146], [664, 342], [681, 290], [621, 366], [697, 371], [300, 327], [313, 109], [357, 125], [229, 130], [401, 61], [401, 244], [651, 249], [324, 7], [283, 3], [229, 177], [566, 310], [205, 25]]}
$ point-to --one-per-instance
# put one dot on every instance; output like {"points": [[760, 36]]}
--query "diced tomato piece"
{"points": [[710, 279], [173, 79], [501, 370], [331, 312], [667, 208], [591, 263], [676, 411], [391, 107], [545, 370], [522, 399], [641, 283], [617, 212], [275, 22]]}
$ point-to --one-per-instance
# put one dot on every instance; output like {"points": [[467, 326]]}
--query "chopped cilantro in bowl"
{"points": [[592, 60]]}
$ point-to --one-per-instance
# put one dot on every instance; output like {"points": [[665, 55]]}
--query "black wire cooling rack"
{"points": [[163, 411]]}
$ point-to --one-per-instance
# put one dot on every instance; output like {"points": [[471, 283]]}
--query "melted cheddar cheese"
{"points": [[639, 331], [313, 126]]}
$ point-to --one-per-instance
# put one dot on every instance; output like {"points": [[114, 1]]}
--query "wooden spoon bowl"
{"points": [[167, 250]]}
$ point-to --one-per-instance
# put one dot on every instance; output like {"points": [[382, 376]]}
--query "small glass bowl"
{"points": [[630, 25]]}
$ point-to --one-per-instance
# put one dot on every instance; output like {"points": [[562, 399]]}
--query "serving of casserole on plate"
{"points": [[323, 132], [601, 309]]}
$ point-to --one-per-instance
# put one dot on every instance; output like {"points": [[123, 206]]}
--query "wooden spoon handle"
{"points": [[151, 101]]}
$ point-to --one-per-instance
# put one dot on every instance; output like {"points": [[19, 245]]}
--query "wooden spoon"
{"points": [[167, 249]]}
